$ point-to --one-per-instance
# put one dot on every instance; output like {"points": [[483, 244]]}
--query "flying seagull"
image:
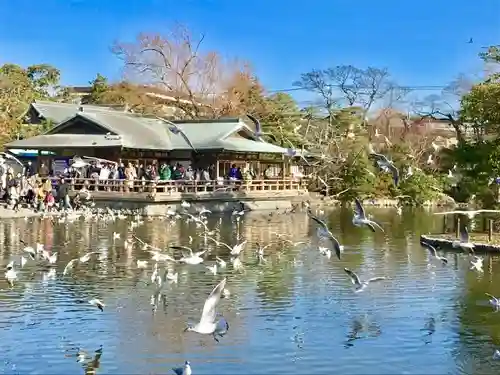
{"points": [[433, 252], [470, 41], [386, 165], [174, 129], [258, 129], [359, 219], [361, 285], [464, 241], [208, 324], [494, 301], [327, 233]]}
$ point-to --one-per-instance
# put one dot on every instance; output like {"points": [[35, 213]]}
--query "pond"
{"points": [[295, 312]]}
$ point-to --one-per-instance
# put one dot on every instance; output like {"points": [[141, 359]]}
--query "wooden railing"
{"points": [[184, 186]]}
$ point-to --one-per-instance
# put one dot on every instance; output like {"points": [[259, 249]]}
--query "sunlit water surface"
{"points": [[295, 313]]}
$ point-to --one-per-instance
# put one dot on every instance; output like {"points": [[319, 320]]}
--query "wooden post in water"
{"points": [[490, 230], [457, 227]]}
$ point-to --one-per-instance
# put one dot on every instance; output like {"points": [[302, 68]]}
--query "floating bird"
{"points": [[185, 204], [359, 219], [361, 285], [327, 234], [185, 370], [221, 262], [208, 324], [433, 252], [10, 273]]}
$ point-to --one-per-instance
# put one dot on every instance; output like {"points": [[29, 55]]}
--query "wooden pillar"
{"points": [[217, 169]]}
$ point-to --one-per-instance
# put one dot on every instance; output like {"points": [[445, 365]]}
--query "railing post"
{"points": [[490, 230]]}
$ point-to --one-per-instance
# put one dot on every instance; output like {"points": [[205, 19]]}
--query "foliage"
{"points": [[19, 87]]}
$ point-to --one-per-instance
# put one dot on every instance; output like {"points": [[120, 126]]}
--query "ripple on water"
{"points": [[295, 313]]}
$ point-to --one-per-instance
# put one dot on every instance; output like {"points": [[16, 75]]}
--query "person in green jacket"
{"points": [[165, 172]]}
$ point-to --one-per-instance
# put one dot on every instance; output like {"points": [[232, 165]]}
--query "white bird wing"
{"points": [[220, 243], [359, 209], [378, 278], [494, 298], [452, 213], [238, 248], [488, 211], [12, 157], [209, 313], [99, 160], [372, 225], [429, 247]]}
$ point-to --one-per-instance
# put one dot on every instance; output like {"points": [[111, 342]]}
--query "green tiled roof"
{"points": [[59, 112], [141, 132]]}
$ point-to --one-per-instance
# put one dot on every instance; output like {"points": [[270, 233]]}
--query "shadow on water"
{"points": [[289, 313]]}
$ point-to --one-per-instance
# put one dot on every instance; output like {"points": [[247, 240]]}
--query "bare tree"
{"points": [[176, 63], [346, 85]]}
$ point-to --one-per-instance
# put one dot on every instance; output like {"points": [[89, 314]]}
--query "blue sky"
{"points": [[422, 42]]}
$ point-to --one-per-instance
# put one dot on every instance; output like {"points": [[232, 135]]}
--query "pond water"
{"points": [[295, 313]]}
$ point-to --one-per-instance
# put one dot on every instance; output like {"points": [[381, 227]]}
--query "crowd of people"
{"points": [[43, 189]]}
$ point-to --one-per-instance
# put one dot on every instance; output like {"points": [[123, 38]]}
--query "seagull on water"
{"points": [[184, 370], [433, 252], [185, 204], [359, 219], [494, 301], [221, 262], [10, 273], [361, 285], [325, 232], [208, 324]]}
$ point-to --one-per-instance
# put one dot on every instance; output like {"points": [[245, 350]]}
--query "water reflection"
{"points": [[286, 314]]}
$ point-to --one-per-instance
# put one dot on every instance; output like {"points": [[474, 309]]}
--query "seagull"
{"points": [[325, 232], [185, 204], [208, 324], [432, 251], [494, 301], [464, 242], [361, 285], [360, 218], [10, 273], [142, 263], [477, 264], [386, 165], [212, 269], [234, 250], [97, 303], [469, 214], [174, 129], [185, 370], [193, 258], [221, 262]]}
